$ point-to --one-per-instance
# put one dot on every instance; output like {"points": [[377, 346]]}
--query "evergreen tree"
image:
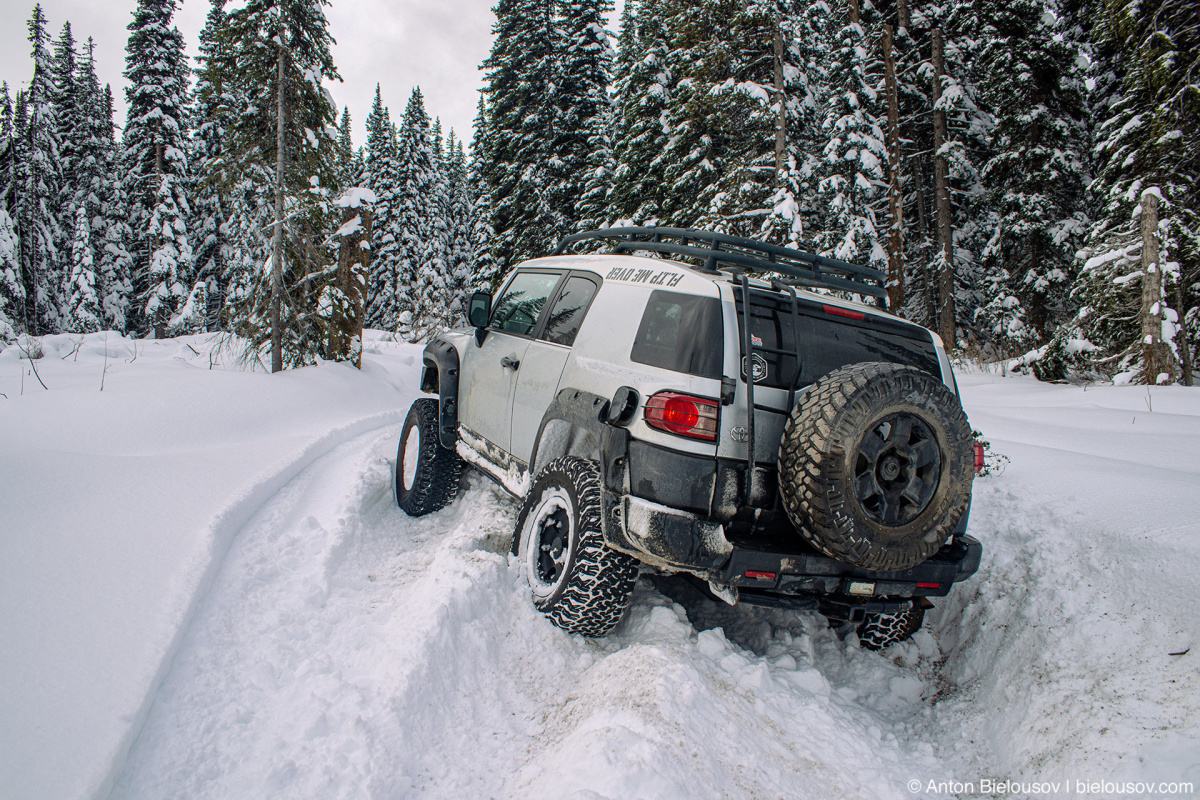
{"points": [[379, 169], [422, 271], [154, 160], [485, 271], [12, 290], [82, 312], [69, 105], [523, 124], [1035, 176], [460, 210], [345, 152], [39, 188], [276, 55]]}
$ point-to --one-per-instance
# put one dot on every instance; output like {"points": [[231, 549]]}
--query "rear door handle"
{"points": [[508, 362]]}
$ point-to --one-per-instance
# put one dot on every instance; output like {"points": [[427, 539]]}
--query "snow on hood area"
{"points": [[207, 591]]}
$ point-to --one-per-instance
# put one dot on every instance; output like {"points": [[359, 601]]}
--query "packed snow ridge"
{"points": [[206, 591]]}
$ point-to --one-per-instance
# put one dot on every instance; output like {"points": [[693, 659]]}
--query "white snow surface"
{"points": [[206, 591]]}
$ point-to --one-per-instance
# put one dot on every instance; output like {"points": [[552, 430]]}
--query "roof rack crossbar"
{"points": [[804, 269]]}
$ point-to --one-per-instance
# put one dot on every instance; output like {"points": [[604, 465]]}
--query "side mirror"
{"points": [[480, 310]]}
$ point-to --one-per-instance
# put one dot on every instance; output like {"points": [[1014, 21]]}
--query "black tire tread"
{"points": [[601, 580], [438, 468], [813, 453], [877, 631]]}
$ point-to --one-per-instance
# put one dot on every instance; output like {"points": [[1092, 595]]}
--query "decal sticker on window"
{"points": [[760, 368]]}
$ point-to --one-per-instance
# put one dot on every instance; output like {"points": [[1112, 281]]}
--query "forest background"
{"points": [[1024, 173]]}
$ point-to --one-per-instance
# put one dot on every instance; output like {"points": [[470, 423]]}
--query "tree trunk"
{"points": [[354, 257], [1156, 354], [941, 178], [902, 16], [277, 255], [160, 324], [895, 284], [780, 100], [854, 12], [1184, 342]]}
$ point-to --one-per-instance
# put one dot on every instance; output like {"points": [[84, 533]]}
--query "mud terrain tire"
{"points": [[877, 631], [427, 474], [577, 581], [876, 464]]}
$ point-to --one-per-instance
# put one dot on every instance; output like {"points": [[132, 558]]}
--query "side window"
{"points": [[518, 309], [568, 311], [682, 333]]}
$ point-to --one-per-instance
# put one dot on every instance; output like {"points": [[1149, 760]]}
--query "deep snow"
{"points": [[211, 561]]}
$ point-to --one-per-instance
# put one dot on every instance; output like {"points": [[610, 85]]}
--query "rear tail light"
{"points": [[838, 311], [980, 460], [683, 415]]}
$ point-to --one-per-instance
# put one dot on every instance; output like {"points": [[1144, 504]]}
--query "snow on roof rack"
{"points": [[745, 255]]}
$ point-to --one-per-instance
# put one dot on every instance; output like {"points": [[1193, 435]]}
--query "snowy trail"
{"points": [[346, 650]]}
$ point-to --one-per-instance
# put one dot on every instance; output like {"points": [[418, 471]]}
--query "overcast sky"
{"points": [[435, 44]]}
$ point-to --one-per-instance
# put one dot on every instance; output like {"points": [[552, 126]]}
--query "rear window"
{"points": [[682, 333], [827, 342]]}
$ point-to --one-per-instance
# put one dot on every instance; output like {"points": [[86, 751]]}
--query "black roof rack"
{"points": [[745, 255]]}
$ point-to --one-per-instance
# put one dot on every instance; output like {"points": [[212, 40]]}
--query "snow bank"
{"points": [[117, 505]]}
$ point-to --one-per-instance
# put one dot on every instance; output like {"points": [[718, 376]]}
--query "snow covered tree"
{"points": [[82, 313], [1132, 299], [12, 290], [276, 55], [38, 188], [154, 160], [485, 271], [422, 272], [459, 218], [379, 173], [345, 152], [522, 125], [584, 149], [1035, 175]]}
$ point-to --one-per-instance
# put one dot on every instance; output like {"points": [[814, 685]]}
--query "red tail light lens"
{"points": [[683, 415], [838, 311], [980, 460]]}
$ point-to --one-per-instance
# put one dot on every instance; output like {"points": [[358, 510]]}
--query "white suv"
{"points": [[609, 392]]}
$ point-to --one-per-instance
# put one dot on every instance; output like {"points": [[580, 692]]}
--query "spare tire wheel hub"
{"points": [[896, 469]]}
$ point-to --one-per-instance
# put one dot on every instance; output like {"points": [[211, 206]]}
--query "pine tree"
{"points": [[379, 168], [422, 272], [38, 188], [82, 313], [1036, 173], [345, 152], [12, 290], [523, 124], [485, 271], [69, 105], [154, 159], [277, 55]]}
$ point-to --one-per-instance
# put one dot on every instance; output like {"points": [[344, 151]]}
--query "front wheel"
{"points": [[576, 580], [427, 474]]}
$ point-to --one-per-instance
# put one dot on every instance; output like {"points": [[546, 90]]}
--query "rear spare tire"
{"points": [[876, 464]]}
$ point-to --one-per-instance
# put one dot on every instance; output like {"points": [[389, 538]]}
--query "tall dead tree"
{"points": [[941, 180], [1157, 359], [895, 283]]}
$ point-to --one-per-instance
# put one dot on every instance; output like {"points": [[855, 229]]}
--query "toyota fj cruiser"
{"points": [[612, 394]]}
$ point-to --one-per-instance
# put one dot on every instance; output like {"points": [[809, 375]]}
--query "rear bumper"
{"points": [[764, 574]]}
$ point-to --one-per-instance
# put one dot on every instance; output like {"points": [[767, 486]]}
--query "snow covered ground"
{"points": [[206, 591]]}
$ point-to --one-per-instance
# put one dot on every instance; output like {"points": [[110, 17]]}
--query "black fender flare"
{"points": [[574, 424], [440, 377]]}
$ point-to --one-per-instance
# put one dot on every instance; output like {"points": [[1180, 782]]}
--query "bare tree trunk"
{"points": [[1156, 355], [354, 257], [895, 284], [1185, 344], [780, 100], [854, 12], [277, 255], [902, 17], [941, 179], [159, 321]]}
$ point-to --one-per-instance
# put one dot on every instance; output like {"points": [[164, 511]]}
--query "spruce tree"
{"points": [[12, 290], [82, 312], [154, 161], [39, 188], [379, 168], [1035, 176], [277, 55], [523, 123]]}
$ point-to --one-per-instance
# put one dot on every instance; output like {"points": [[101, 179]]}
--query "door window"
{"points": [[568, 311], [518, 309]]}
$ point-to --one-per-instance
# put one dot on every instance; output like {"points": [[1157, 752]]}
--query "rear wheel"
{"points": [[427, 474], [877, 631], [576, 580]]}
